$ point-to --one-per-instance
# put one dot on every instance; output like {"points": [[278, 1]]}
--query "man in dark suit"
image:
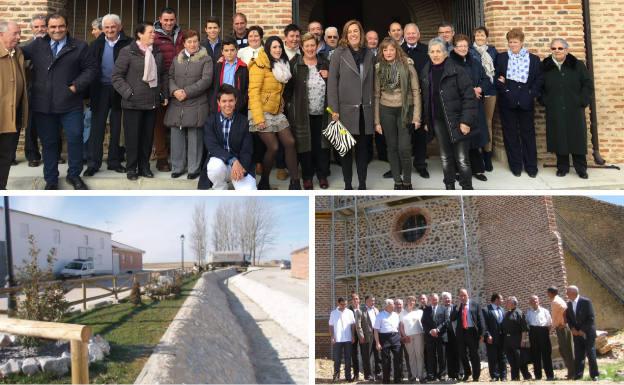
{"points": [[445, 331], [581, 319], [369, 315], [105, 100], [469, 332], [228, 144], [493, 316], [434, 349]]}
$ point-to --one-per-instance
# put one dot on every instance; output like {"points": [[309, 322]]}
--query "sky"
{"points": [[617, 200], [155, 223]]}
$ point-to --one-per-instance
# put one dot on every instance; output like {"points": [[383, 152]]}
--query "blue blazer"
{"points": [[516, 95]]}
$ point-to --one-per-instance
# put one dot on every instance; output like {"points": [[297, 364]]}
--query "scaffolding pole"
{"points": [[356, 249], [332, 238], [467, 263]]}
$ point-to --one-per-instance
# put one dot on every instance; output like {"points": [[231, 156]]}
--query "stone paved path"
{"points": [[278, 357]]}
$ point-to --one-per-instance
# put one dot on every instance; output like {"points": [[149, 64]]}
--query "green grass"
{"points": [[611, 371], [132, 332]]}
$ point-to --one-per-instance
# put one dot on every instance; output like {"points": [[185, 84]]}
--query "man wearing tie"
{"points": [[368, 320], [434, 350], [581, 318], [445, 331], [357, 313], [493, 316], [469, 332]]}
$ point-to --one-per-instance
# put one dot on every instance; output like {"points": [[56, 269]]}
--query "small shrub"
{"points": [[135, 294]]}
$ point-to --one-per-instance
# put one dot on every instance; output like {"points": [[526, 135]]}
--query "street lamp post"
{"points": [[182, 241]]}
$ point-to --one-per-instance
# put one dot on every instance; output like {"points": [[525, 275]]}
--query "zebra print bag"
{"points": [[339, 137]]}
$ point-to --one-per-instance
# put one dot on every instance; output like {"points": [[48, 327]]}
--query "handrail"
{"points": [[78, 335]]}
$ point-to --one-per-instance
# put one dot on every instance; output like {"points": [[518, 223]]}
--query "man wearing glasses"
{"points": [[331, 42]]}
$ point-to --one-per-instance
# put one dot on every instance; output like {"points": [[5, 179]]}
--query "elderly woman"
{"points": [[254, 39], [397, 108], [268, 75], [307, 103], [518, 81], [567, 91], [487, 55], [461, 55], [190, 77], [515, 329], [141, 80], [450, 110], [350, 95]]}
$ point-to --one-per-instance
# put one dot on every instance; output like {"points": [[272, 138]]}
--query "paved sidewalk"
{"points": [[23, 177]]}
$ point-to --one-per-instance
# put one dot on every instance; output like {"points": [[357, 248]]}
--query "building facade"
{"points": [[300, 263], [392, 247], [588, 26], [126, 259]]}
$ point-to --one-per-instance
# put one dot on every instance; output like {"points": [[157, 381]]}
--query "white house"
{"points": [[70, 241]]}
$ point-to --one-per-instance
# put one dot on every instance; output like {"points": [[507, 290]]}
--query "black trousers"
{"points": [[476, 161], [365, 353], [8, 144], [315, 161], [342, 351], [541, 351], [585, 347], [452, 357], [578, 160], [355, 360], [468, 346], [497, 364], [419, 149], [519, 139], [101, 108], [517, 363], [376, 359], [454, 156], [361, 156], [391, 356], [139, 134], [434, 357], [380, 145]]}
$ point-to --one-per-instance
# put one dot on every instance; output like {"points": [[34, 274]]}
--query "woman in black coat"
{"points": [[519, 81], [462, 55], [567, 91], [142, 91], [450, 108]]}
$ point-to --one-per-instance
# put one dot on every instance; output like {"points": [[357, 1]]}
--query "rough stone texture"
{"points": [[5, 340], [54, 365], [294, 322], [12, 366], [204, 327], [30, 366], [95, 352]]}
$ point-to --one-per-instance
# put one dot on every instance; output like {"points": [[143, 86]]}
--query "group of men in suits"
{"points": [[448, 336]]}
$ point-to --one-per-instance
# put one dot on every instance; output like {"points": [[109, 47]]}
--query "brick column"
{"points": [[22, 12], [271, 15], [541, 22]]}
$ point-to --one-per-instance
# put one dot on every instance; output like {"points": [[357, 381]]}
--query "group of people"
{"points": [[439, 340], [165, 86]]}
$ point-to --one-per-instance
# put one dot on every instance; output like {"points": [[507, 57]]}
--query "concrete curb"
{"points": [[204, 343], [289, 312]]}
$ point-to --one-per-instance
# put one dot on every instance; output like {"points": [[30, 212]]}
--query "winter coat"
{"points": [[472, 65], [515, 95], [194, 76], [494, 55], [240, 142], [128, 79], [265, 92], [458, 99], [214, 54], [241, 84], [565, 95], [298, 103], [51, 77], [13, 113], [169, 45], [348, 90], [96, 48]]}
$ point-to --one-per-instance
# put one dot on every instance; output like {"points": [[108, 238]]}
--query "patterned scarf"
{"points": [[486, 60], [518, 67], [389, 75], [396, 75]]}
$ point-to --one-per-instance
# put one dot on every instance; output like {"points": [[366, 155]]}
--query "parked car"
{"points": [[285, 265], [78, 268]]}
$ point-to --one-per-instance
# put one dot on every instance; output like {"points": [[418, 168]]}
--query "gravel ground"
{"points": [[278, 357], [325, 368]]}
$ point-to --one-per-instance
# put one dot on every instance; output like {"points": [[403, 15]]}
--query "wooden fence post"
{"points": [[84, 296], [79, 362], [115, 287]]}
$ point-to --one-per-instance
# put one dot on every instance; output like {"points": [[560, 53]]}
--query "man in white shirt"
{"points": [[342, 332], [412, 332], [388, 341], [368, 320], [540, 323]]}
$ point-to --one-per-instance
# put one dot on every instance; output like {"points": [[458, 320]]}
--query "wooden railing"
{"points": [[78, 336], [119, 284]]}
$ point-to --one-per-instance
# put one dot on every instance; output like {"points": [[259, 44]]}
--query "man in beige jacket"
{"points": [[13, 96]]}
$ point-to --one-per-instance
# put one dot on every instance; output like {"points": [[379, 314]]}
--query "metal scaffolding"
{"points": [[347, 213]]}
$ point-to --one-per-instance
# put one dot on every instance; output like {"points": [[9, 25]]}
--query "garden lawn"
{"points": [[133, 333]]}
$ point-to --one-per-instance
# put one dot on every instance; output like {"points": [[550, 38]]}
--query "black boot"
{"points": [[264, 184], [450, 186], [487, 161], [294, 184]]}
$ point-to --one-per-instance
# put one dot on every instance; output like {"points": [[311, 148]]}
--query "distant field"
{"points": [[175, 265]]}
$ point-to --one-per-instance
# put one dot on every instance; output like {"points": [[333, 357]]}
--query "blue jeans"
{"points": [[47, 128]]}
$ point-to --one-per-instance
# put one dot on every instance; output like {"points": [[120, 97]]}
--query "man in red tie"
{"points": [[469, 333]]}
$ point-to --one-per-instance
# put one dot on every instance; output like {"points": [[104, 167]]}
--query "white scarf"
{"points": [[519, 66], [281, 71], [150, 73], [486, 60]]}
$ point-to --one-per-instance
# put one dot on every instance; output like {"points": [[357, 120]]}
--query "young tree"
{"points": [[258, 228], [199, 233]]}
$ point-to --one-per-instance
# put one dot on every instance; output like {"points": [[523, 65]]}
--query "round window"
{"points": [[413, 228]]}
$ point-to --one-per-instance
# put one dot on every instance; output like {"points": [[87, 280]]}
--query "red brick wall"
{"points": [[300, 264], [130, 261], [272, 15]]}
